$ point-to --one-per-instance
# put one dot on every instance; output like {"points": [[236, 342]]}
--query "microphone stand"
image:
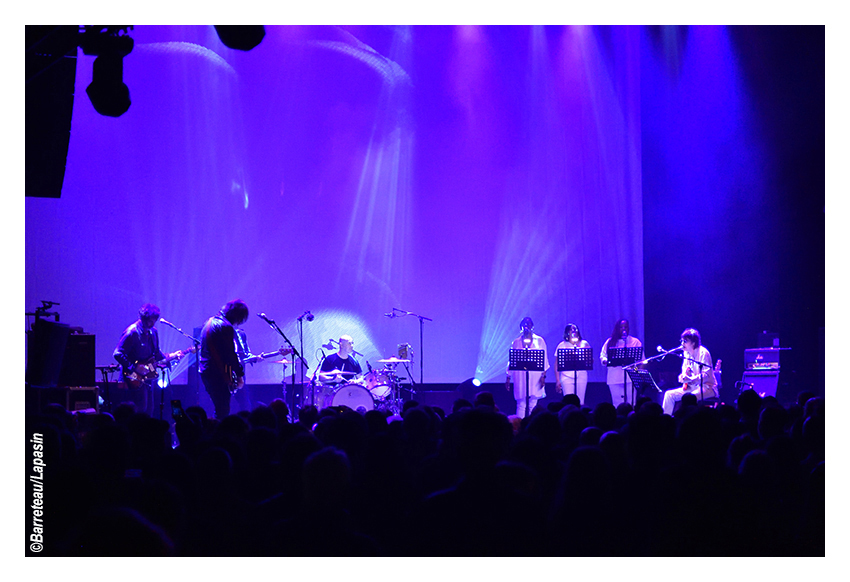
{"points": [[295, 354], [701, 366], [313, 381], [301, 343], [197, 344], [422, 320]]}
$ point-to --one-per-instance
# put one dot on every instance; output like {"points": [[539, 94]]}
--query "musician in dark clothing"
{"points": [[340, 367], [221, 370], [139, 345]]}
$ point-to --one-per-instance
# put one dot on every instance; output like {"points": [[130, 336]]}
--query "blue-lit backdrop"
{"points": [[471, 175]]}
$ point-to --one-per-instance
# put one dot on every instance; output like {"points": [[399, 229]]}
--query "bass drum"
{"points": [[353, 396]]}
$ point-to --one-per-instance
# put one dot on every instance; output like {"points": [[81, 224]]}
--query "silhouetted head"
{"points": [[461, 403], [689, 400], [749, 403], [571, 399], [485, 398], [804, 397], [235, 311]]}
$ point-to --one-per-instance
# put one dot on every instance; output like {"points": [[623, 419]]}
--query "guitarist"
{"points": [[221, 371], [140, 344], [692, 375]]}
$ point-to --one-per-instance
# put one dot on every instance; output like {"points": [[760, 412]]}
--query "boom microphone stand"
{"points": [[422, 319], [295, 353]]}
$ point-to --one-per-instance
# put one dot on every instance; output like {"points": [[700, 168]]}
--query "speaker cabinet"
{"points": [[78, 362], [764, 383]]}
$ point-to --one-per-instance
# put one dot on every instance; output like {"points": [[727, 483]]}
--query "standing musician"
{"points": [[138, 346], [221, 370], [536, 380], [692, 375], [569, 379], [342, 361], [620, 388]]}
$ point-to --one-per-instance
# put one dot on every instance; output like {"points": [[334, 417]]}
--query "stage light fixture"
{"points": [[110, 44], [240, 37], [468, 388]]}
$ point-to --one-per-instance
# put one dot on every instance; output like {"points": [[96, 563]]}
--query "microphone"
{"points": [[169, 324], [329, 345], [265, 317], [369, 365], [308, 315], [390, 315], [356, 353]]}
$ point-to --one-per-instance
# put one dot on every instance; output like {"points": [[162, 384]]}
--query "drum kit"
{"points": [[377, 389]]}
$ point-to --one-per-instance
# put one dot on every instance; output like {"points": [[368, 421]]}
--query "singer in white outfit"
{"points": [[691, 374], [619, 383], [537, 380], [571, 380]]}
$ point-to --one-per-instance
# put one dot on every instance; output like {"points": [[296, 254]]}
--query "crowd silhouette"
{"points": [[733, 480]]}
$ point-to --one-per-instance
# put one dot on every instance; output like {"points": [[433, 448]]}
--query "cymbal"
{"points": [[393, 360], [284, 362], [338, 373]]}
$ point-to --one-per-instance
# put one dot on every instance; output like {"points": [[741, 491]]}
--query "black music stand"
{"points": [[529, 361], [642, 381], [619, 357], [574, 360]]}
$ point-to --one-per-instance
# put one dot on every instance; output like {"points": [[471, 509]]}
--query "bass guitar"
{"points": [[145, 371]]}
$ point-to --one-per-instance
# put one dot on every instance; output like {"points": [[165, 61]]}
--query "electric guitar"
{"points": [[144, 371], [233, 385], [259, 357]]}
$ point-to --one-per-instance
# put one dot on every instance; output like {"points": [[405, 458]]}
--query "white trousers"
{"points": [[671, 397], [520, 406], [579, 384]]}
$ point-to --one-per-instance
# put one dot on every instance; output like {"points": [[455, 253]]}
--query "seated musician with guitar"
{"points": [[693, 376], [139, 355]]}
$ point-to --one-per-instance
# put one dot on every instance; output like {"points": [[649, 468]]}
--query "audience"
{"points": [[567, 480]]}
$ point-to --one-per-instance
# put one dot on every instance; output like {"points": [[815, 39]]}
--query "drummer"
{"points": [[340, 367]]}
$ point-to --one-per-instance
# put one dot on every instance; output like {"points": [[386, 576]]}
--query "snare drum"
{"points": [[379, 384], [353, 396]]}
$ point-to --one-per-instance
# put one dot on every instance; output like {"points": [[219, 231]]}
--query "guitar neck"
{"points": [[257, 358]]}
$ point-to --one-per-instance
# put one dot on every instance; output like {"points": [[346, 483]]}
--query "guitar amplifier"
{"points": [[762, 359], [82, 398]]}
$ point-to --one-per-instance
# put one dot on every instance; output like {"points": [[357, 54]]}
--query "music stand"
{"points": [[619, 357], [642, 381], [529, 361], [574, 360]]}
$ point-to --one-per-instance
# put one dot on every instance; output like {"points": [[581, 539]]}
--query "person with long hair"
{"points": [[619, 383], [695, 378], [571, 381], [221, 370]]}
